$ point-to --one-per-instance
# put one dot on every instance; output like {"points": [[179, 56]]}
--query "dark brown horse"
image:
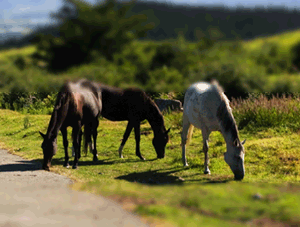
{"points": [[134, 106], [77, 104]]}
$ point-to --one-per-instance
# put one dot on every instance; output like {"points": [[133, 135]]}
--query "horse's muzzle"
{"points": [[238, 176]]}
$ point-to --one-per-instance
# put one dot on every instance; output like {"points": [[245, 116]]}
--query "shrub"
{"points": [[164, 56], [262, 112], [165, 79]]}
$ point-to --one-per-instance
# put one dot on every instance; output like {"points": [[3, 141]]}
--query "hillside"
{"points": [[196, 21], [262, 64]]}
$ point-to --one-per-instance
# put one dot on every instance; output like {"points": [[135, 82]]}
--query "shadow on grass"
{"points": [[21, 166], [167, 177], [108, 161], [154, 177]]}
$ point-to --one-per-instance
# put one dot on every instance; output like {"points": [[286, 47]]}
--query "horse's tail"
{"points": [[190, 133]]}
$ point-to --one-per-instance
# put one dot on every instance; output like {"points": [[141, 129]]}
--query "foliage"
{"points": [[85, 29], [296, 55], [144, 64], [28, 102], [263, 112]]}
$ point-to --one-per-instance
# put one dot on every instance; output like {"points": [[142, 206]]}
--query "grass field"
{"points": [[164, 192]]}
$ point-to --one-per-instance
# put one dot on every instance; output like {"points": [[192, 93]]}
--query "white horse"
{"points": [[207, 108]]}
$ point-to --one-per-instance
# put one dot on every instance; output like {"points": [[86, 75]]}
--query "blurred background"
{"points": [[251, 47]]}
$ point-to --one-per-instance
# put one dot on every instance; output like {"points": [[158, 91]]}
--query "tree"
{"points": [[104, 28]]}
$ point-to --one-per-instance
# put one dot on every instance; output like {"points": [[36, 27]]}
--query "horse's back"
{"points": [[86, 99], [124, 104], [201, 103]]}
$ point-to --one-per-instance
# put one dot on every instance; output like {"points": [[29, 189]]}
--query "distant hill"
{"points": [[244, 23], [192, 21]]}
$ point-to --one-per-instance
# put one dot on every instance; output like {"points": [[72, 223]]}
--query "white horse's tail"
{"points": [[190, 133]]}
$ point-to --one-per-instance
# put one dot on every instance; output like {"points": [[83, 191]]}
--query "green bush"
{"points": [[165, 79], [274, 59]]}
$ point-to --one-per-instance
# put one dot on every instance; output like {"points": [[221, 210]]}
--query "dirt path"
{"points": [[30, 197]]}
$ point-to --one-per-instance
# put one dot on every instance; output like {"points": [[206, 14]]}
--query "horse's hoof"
{"points": [[67, 165], [142, 158], [185, 164], [207, 172], [95, 159], [74, 167], [46, 168]]}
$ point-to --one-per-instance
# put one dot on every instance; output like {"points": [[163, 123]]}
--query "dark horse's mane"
{"points": [[60, 109], [224, 114]]}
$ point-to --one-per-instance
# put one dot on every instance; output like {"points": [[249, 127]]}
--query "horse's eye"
{"points": [[237, 157]]}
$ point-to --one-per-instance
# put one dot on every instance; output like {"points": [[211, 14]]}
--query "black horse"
{"points": [[134, 106], [77, 104]]}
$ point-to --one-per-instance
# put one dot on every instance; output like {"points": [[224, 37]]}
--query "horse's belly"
{"points": [[201, 117]]}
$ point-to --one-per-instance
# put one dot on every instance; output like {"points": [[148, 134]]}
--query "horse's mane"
{"points": [[224, 113], [61, 102], [154, 115]]}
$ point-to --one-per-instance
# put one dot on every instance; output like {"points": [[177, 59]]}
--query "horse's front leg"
{"points": [[205, 135], [94, 149], [125, 137], [66, 144], [137, 132], [76, 134]]}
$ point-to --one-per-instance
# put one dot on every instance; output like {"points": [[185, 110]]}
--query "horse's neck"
{"points": [[155, 120], [229, 136], [57, 118], [53, 127], [227, 124]]}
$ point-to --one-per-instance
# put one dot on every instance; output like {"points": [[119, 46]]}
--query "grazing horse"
{"points": [[134, 106], [207, 108], [77, 104]]}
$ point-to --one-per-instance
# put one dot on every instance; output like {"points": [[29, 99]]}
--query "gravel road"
{"points": [[30, 197]]}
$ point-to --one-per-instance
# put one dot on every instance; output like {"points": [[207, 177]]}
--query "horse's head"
{"points": [[234, 157], [49, 147], [159, 142]]}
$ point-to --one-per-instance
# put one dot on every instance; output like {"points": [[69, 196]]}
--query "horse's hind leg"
{"points": [[79, 142], [137, 133], [87, 139], [76, 133], [205, 135], [66, 144], [125, 137], [184, 134]]}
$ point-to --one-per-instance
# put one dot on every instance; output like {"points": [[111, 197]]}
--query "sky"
{"points": [[23, 15]]}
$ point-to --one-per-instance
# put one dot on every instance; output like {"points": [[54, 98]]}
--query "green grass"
{"points": [[6, 55], [164, 192], [285, 40]]}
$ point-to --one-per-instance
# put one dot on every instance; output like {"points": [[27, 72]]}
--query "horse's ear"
{"points": [[168, 131], [43, 135], [244, 142]]}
